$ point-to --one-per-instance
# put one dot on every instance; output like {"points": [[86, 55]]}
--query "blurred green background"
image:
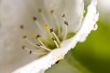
{"points": [[93, 55]]}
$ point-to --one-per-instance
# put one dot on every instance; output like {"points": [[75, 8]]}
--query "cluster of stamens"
{"points": [[53, 34]]}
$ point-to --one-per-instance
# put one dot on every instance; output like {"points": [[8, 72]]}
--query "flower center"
{"points": [[54, 35]]}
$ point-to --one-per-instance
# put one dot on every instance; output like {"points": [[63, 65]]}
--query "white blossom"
{"points": [[54, 20]]}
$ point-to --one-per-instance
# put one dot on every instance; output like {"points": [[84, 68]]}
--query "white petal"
{"points": [[40, 65], [11, 54]]}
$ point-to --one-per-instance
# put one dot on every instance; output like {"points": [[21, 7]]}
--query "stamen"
{"points": [[23, 47], [56, 37], [27, 49], [57, 45], [24, 37], [21, 27], [41, 13], [32, 51], [34, 18], [47, 28], [52, 11], [33, 44], [66, 26], [38, 36], [42, 44], [44, 47], [66, 30], [53, 36], [37, 23], [65, 22], [63, 15], [57, 23]]}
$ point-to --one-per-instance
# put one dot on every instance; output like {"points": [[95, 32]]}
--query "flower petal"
{"points": [[11, 17]]}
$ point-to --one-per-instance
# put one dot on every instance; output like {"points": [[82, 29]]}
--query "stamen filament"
{"points": [[66, 30], [27, 49], [56, 37], [43, 45], [31, 51], [40, 11], [57, 23], [38, 25], [57, 45], [31, 43]]}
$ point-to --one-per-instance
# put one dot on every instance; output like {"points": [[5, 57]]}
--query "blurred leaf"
{"points": [[94, 54]]}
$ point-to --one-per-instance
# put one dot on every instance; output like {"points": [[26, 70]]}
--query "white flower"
{"points": [[56, 21]]}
